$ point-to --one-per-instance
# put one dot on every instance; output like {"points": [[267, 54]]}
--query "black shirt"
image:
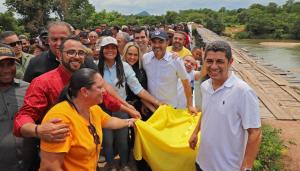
{"points": [[142, 78]]}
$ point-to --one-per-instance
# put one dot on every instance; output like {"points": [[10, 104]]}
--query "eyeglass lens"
{"points": [[13, 44]]}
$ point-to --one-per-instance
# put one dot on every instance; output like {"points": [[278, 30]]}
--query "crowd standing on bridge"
{"points": [[61, 91]]}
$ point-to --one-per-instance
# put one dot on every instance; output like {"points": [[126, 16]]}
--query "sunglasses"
{"points": [[14, 44], [93, 132]]}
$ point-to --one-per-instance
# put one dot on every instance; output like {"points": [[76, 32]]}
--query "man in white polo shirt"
{"points": [[163, 72], [230, 123]]}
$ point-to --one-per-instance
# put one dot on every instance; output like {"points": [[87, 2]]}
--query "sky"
{"points": [[159, 7]]}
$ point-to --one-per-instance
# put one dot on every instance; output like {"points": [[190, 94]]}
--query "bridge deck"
{"points": [[276, 89]]}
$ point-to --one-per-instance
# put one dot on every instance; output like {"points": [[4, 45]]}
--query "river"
{"points": [[286, 58]]}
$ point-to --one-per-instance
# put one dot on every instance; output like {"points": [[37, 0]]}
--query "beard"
{"points": [[72, 67]]}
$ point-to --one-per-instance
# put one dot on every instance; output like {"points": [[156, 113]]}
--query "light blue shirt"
{"points": [[163, 76], [110, 76]]}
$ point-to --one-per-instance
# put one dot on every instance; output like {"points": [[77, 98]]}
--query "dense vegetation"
{"points": [[257, 21]]}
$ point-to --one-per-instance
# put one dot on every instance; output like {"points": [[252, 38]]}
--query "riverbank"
{"points": [[281, 44]]}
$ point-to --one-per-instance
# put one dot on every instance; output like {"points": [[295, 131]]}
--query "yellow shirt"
{"points": [[80, 150], [184, 51]]}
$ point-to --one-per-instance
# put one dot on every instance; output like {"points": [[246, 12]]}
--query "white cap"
{"points": [[108, 40]]}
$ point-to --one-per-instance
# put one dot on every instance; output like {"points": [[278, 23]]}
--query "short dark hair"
{"points": [[116, 28], [219, 45], [6, 34], [139, 30], [72, 37]]}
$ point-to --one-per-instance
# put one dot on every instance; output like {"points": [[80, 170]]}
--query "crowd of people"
{"points": [[69, 93]]}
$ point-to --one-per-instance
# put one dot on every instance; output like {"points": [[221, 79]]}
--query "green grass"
{"points": [[271, 150]]}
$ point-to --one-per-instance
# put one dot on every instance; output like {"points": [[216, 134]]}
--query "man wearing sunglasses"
{"points": [[10, 38]]}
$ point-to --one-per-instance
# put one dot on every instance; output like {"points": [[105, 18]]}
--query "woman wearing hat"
{"points": [[118, 74]]}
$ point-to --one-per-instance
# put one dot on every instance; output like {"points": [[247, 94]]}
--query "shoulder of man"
{"points": [[27, 55], [242, 85], [147, 57], [21, 83], [39, 58], [89, 63]]}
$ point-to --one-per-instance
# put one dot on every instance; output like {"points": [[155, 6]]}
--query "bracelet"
{"points": [[36, 130], [128, 122]]}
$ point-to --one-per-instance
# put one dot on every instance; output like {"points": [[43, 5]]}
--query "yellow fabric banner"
{"points": [[163, 140]]}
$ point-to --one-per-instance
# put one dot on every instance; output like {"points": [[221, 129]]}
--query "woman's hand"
{"points": [[131, 122]]}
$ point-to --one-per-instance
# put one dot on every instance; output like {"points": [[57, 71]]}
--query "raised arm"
{"points": [[188, 95]]}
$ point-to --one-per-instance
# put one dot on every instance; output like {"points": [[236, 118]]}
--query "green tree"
{"points": [[295, 30], [215, 24], [110, 18], [272, 8], [34, 13], [77, 13], [8, 22], [171, 17]]}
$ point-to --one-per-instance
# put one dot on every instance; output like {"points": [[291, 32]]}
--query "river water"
{"points": [[286, 58]]}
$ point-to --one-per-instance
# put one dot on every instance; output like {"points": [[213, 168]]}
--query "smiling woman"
{"points": [[78, 108]]}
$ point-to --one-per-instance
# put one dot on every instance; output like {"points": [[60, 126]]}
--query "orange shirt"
{"points": [[79, 148]]}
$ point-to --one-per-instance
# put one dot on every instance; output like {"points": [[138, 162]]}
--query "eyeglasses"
{"points": [[73, 53], [14, 44], [93, 131]]}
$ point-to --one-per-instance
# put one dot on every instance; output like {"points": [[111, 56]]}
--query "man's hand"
{"points": [[130, 106], [192, 110], [53, 131], [175, 55], [193, 140]]}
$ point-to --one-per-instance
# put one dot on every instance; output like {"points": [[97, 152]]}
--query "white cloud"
{"points": [[2, 7], [159, 7]]}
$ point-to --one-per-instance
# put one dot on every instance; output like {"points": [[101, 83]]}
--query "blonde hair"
{"points": [[125, 51]]}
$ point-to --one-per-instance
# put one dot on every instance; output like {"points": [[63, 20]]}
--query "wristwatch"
{"points": [[248, 169]]}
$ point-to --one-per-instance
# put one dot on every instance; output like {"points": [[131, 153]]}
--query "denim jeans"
{"points": [[119, 138]]}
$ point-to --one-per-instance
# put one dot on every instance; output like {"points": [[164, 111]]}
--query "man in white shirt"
{"points": [[163, 72], [230, 122]]}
